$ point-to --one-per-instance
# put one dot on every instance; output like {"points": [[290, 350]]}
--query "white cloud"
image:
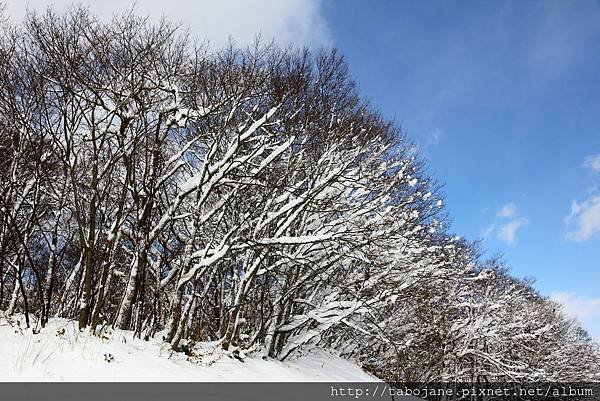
{"points": [[586, 310], [508, 232], [592, 162], [506, 224], [577, 306], [507, 210], [290, 21], [586, 218]]}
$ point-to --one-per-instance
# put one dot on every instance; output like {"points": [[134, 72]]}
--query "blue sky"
{"points": [[503, 99]]}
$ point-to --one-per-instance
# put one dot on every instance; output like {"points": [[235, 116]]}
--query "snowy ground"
{"points": [[61, 353]]}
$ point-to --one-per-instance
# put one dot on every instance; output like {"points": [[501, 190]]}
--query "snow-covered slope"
{"points": [[61, 353]]}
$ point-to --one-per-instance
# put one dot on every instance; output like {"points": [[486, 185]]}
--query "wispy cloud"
{"points": [[592, 162], [506, 225], [488, 231], [586, 310], [507, 210], [291, 21], [585, 216], [508, 232], [433, 138]]}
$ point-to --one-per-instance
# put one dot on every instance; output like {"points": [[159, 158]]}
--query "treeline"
{"points": [[245, 196]]}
